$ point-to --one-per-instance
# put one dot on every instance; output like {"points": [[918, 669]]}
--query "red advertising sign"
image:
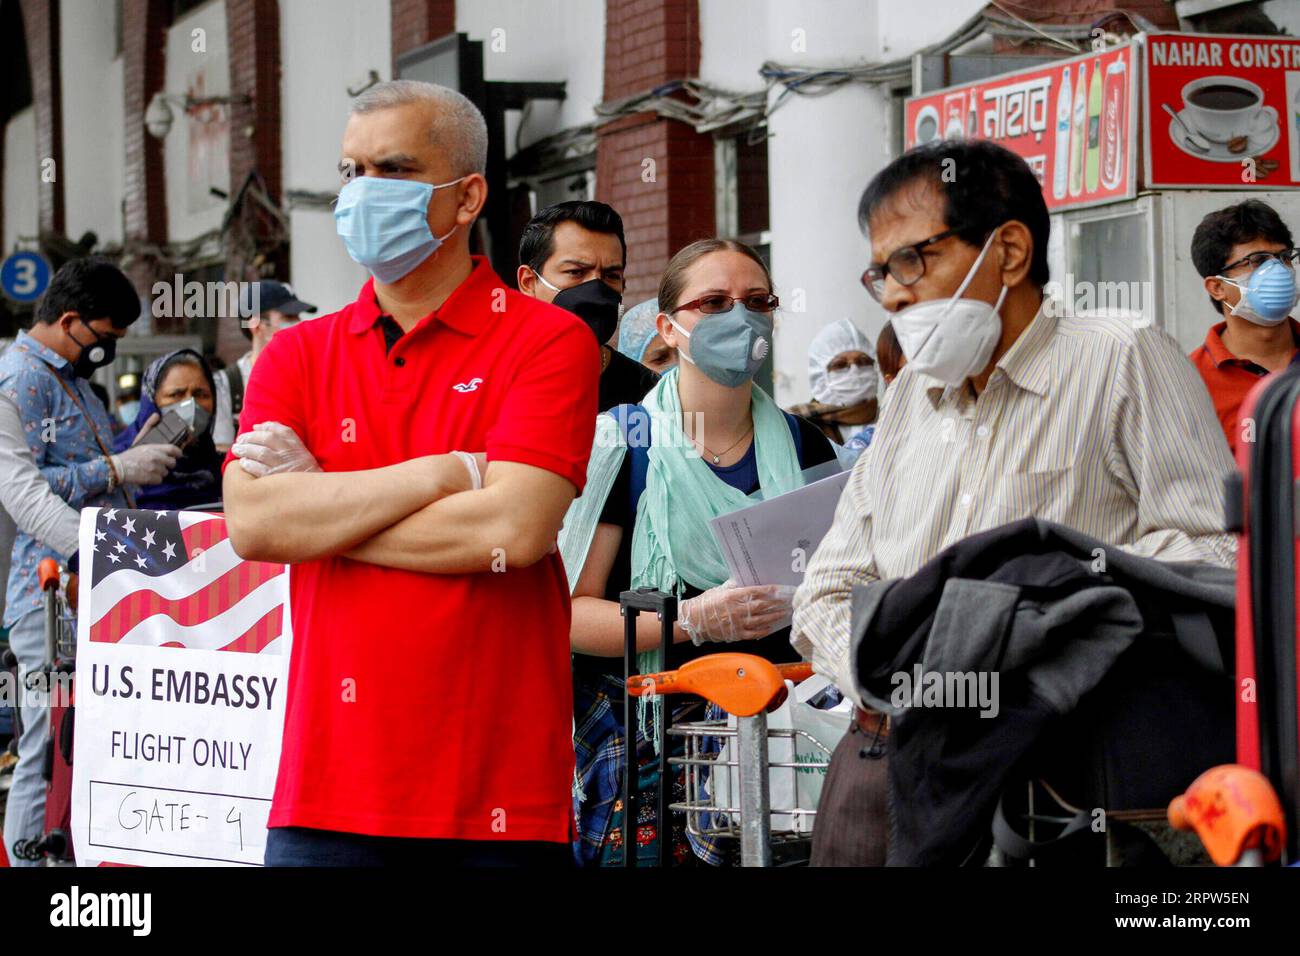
{"points": [[1073, 122], [1222, 111]]}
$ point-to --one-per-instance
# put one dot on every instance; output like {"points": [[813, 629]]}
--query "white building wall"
{"points": [[542, 41], [1285, 13], [823, 150], [321, 56], [92, 83], [196, 153], [22, 173]]}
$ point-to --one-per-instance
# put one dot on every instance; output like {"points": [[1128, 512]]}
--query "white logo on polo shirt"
{"points": [[470, 386]]}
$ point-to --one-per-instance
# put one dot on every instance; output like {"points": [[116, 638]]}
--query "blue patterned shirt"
{"points": [[61, 434]]}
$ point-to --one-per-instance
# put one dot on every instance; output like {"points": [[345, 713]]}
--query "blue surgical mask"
{"points": [[384, 224], [127, 411], [730, 346], [1268, 294]]}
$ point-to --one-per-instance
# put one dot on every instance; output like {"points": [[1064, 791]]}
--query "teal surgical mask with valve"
{"points": [[730, 346]]}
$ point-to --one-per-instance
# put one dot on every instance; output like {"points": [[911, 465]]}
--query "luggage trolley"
{"points": [[60, 666], [747, 687]]}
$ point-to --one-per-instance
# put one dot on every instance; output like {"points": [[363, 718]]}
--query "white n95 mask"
{"points": [[951, 339]]}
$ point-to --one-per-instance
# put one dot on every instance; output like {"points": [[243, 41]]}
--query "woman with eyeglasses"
{"points": [[703, 440]]}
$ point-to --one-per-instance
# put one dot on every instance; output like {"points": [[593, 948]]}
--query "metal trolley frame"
{"points": [[746, 687]]}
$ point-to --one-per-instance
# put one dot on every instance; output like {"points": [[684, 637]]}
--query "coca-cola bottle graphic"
{"points": [[1112, 149]]}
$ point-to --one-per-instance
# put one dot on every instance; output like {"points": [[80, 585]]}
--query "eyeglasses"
{"points": [[1287, 257], [716, 303], [906, 265]]}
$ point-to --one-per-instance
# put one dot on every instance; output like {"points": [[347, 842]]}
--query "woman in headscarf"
{"points": [[196, 479], [704, 440], [842, 373], [639, 338]]}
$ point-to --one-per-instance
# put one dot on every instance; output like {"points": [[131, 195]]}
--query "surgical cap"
{"points": [[638, 328], [838, 337]]}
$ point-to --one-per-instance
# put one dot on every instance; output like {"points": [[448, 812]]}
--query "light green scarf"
{"points": [[673, 544]]}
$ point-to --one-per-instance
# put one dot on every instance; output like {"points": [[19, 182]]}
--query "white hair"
{"points": [[456, 124]]}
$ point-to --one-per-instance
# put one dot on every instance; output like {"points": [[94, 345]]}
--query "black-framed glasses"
{"points": [[906, 265], [1287, 257], [716, 303]]}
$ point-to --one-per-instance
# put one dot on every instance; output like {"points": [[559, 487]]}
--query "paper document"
{"points": [[772, 541]]}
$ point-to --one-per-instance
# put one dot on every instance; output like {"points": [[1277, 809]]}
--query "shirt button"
{"points": [[982, 431], [399, 362], [966, 499]]}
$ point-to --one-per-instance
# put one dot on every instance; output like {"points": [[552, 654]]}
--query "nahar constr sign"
{"points": [[1222, 111]]}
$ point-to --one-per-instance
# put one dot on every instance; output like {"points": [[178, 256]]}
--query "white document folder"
{"points": [[772, 541]]}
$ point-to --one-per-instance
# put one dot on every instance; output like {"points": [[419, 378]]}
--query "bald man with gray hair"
{"points": [[411, 458], [453, 121]]}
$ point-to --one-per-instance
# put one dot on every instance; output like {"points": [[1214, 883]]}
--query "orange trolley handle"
{"points": [[741, 684], [1235, 812], [47, 572]]}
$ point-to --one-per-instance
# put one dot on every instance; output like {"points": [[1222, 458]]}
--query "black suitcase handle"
{"points": [[631, 604], [1273, 514]]}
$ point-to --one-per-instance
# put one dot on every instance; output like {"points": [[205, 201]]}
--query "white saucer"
{"points": [[1262, 138], [927, 112]]}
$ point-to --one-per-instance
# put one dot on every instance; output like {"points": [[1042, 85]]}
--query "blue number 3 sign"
{"points": [[24, 276]]}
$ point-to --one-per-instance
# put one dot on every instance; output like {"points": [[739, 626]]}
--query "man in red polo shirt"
{"points": [[1245, 255], [429, 709]]}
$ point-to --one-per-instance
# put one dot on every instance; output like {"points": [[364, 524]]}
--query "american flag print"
{"points": [[172, 579]]}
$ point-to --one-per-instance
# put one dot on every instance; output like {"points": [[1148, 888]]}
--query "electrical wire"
{"points": [[1073, 48]]}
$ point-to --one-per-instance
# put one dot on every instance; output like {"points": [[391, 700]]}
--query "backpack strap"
{"points": [[634, 420], [235, 377], [796, 433]]}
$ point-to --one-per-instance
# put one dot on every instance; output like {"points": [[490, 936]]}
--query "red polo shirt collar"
{"points": [[1219, 353], [468, 309]]}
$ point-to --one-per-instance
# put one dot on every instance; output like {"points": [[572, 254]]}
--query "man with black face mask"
{"points": [[573, 254], [55, 436]]}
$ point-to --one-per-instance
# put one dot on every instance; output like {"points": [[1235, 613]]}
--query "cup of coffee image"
{"points": [[927, 125], [1222, 108]]}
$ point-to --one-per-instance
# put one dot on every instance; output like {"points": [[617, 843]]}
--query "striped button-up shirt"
{"points": [[1088, 422]]}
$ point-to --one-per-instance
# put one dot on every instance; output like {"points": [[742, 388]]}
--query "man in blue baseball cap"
{"points": [[265, 307]]}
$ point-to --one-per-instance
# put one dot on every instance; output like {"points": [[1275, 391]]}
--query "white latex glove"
{"points": [[731, 613], [145, 464], [270, 449]]}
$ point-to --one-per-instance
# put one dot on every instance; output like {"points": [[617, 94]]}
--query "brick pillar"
{"points": [[144, 40], [41, 29], [657, 173], [253, 31], [416, 22]]}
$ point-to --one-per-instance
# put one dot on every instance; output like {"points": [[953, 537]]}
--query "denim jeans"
{"points": [[25, 808], [301, 846]]}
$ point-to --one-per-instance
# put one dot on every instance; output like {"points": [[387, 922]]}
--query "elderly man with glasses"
{"points": [[1004, 411], [1245, 255]]}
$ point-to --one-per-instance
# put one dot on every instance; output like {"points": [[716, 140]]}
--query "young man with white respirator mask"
{"points": [[1002, 412], [1245, 254]]}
